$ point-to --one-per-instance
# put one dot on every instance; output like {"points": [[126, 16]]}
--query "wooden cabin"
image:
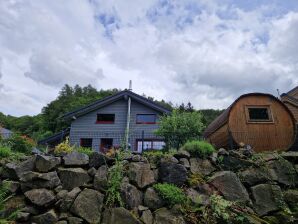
{"points": [[290, 99], [256, 119]]}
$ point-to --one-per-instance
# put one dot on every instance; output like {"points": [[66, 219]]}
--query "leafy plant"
{"points": [[195, 179], [180, 127], [201, 149], [5, 151], [19, 143], [84, 150], [63, 147], [115, 176], [170, 193]]}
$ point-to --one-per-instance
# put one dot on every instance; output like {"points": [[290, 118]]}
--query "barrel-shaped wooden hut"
{"points": [[256, 119]]}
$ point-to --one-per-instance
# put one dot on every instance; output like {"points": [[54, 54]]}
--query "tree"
{"points": [[179, 127]]}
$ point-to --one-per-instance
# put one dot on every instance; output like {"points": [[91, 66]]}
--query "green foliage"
{"points": [[87, 151], [179, 127], [5, 151], [19, 143], [63, 147], [209, 115], [4, 193], [195, 179], [201, 149], [115, 176], [170, 193]]}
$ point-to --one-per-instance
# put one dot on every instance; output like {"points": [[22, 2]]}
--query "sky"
{"points": [[207, 52]]}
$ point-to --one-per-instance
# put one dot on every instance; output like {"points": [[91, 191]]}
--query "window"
{"points": [[105, 118], [150, 144], [259, 114], [106, 144], [86, 142], [146, 118]]}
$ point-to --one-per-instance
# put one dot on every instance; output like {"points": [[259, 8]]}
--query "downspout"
{"points": [[127, 123]]}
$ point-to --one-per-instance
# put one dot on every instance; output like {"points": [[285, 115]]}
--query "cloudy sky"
{"points": [[204, 51]]}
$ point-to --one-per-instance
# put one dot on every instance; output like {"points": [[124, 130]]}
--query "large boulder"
{"points": [[41, 197], [140, 174], [234, 163], [119, 216], [88, 205], [291, 198], [101, 178], [172, 173], [73, 177], [75, 159], [266, 198], [46, 163], [147, 217], [167, 216], [182, 154], [131, 195], [202, 166], [152, 199], [97, 159], [31, 180], [254, 175], [49, 217], [66, 199], [14, 171], [230, 186], [283, 172]]}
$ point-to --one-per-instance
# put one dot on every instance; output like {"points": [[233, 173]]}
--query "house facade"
{"points": [[290, 99], [5, 133], [124, 119]]}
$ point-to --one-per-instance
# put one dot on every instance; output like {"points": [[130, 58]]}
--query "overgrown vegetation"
{"points": [[180, 127], [170, 193], [200, 149], [4, 196], [84, 150], [64, 147]]}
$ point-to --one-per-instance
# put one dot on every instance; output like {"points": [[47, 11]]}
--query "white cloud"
{"points": [[199, 51]]}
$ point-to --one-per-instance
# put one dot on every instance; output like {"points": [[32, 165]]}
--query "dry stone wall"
{"points": [[72, 188]]}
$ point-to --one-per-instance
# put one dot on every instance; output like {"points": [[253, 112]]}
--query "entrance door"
{"points": [[106, 144]]}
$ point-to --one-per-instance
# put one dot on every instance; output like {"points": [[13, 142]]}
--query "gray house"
{"points": [[123, 119], [5, 133]]}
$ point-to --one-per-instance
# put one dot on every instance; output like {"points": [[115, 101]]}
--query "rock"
{"points": [[229, 185], [253, 176], [68, 198], [73, 177], [291, 156], [13, 186], [14, 171], [142, 208], [136, 158], [92, 172], [88, 205], [75, 159], [50, 217], [97, 159], [222, 152], [30, 209], [172, 173], [291, 198], [182, 154], [194, 196], [283, 172], [171, 159], [152, 199], [131, 195], [22, 216], [147, 217], [166, 216], [61, 222], [32, 180], [184, 162], [101, 178], [118, 216], [74, 220], [46, 163], [202, 166], [41, 197], [140, 174], [266, 198], [10, 171], [234, 163]]}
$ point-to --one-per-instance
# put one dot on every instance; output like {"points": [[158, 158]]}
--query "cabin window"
{"points": [[105, 118], [259, 114], [149, 144], [86, 142], [146, 118]]}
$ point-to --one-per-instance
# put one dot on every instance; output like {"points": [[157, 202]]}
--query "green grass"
{"points": [[84, 150], [5, 151], [201, 149], [170, 193]]}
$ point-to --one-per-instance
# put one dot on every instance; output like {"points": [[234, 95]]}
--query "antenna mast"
{"points": [[130, 85]]}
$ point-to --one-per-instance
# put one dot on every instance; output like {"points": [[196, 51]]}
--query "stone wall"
{"points": [[71, 188]]}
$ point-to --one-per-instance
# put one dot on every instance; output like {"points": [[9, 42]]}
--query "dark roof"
{"points": [[110, 99], [290, 99], [224, 116], [292, 90], [56, 137]]}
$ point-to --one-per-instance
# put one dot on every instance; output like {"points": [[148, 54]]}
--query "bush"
{"points": [[63, 147], [201, 149], [5, 151], [84, 150], [170, 193], [19, 143], [180, 127]]}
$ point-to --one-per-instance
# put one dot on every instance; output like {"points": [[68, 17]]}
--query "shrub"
{"points": [[170, 193], [195, 179], [199, 148], [5, 151], [180, 127], [87, 151], [19, 143], [63, 147]]}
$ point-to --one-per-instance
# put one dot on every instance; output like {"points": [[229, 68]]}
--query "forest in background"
{"points": [[70, 98]]}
